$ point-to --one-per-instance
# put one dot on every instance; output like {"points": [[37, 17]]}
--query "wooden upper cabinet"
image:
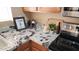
{"points": [[29, 9], [42, 9], [50, 9]]}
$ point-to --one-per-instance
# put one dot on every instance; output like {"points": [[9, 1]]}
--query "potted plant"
{"points": [[52, 27]]}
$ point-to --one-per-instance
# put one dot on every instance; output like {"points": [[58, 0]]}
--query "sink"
{"points": [[3, 44]]}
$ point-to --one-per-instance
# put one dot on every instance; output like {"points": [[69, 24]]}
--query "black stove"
{"points": [[65, 42]]}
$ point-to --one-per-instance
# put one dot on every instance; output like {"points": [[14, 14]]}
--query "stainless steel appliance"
{"points": [[68, 40], [73, 28], [71, 11]]}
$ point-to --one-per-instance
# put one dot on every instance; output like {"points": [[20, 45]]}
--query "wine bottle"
{"points": [[58, 28]]}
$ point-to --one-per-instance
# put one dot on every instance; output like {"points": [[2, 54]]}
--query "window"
{"points": [[5, 14]]}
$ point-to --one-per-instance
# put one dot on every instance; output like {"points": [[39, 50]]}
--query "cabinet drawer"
{"points": [[23, 47], [38, 46]]}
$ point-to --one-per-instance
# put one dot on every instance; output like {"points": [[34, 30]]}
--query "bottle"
{"points": [[44, 28], [58, 28]]}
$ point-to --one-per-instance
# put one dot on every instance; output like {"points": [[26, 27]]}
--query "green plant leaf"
{"points": [[52, 27]]}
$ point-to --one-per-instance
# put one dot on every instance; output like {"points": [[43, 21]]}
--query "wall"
{"points": [[40, 17], [5, 23], [16, 11]]}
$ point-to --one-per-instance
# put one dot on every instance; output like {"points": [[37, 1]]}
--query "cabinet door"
{"points": [[37, 47], [23, 47], [29, 9], [27, 49], [42, 9], [50, 9], [34, 49]]}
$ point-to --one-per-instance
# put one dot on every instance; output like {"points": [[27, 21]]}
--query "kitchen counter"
{"points": [[44, 38], [13, 38]]}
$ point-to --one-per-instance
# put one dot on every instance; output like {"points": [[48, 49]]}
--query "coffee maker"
{"points": [[31, 24]]}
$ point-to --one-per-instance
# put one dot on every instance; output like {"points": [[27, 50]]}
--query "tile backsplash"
{"points": [[6, 23]]}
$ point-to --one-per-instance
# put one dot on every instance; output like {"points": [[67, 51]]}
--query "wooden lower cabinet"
{"points": [[37, 47], [31, 46], [23, 47], [34, 49]]}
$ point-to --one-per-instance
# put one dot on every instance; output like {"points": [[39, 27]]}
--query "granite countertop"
{"points": [[43, 37], [13, 38]]}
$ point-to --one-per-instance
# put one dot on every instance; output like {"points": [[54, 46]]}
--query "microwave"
{"points": [[71, 11]]}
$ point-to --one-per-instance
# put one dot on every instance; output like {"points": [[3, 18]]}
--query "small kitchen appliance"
{"points": [[31, 23]]}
